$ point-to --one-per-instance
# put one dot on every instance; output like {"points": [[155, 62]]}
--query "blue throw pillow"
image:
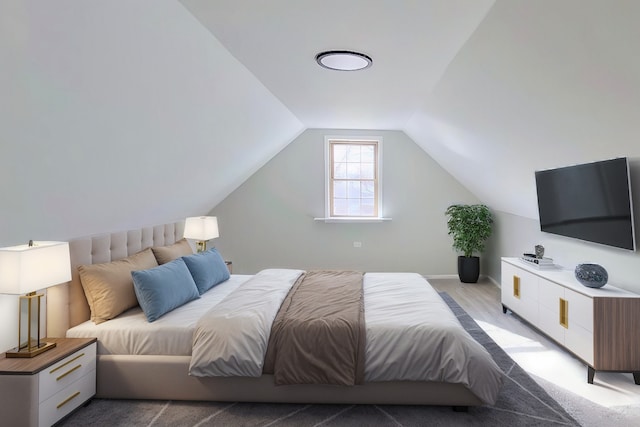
{"points": [[162, 289], [207, 268]]}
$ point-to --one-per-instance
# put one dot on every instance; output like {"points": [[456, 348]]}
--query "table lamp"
{"points": [[201, 228], [26, 269]]}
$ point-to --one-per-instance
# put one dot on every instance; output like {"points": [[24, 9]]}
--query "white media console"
{"points": [[599, 326]]}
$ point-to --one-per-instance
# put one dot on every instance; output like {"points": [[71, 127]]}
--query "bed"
{"points": [[138, 359]]}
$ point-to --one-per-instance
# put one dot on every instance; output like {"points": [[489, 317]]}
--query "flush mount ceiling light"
{"points": [[343, 60]]}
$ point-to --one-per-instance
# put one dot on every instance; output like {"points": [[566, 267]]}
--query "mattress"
{"points": [[171, 335]]}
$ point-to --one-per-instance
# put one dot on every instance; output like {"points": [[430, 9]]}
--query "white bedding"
{"points": [[131, 333], [411, 333], [231, 339], [406, 319]]}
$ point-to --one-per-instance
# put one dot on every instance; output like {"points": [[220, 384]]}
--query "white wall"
{"points": [[119, 114], [268, 220], [111, 111], [514, 235], [539, 84]]}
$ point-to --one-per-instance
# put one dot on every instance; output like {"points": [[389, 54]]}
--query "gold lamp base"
{"points": [[29, 344], [201, 246], [32, 351]]}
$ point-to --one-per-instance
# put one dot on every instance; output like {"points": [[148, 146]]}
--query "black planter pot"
{"points": [[468, 269]]}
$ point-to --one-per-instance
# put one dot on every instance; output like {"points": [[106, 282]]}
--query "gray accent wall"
{"points": [[269, 220]]}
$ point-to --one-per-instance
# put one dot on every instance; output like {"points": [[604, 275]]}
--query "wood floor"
{"points": [[481, 300], [613, 397]]}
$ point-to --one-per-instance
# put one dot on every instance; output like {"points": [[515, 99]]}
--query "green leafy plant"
{"points": [[470, 226]]}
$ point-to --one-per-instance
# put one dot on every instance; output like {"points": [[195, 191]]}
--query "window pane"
{"points": [[354, 207], [366, 207], [353, 170], [353, 153], [368, 154], [367, 171], [339, 153], [367, 189], [353, 178], [340, 207], [353, 189]]}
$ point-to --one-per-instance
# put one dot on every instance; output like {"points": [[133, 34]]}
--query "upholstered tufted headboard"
{"points": [[66, 304]]}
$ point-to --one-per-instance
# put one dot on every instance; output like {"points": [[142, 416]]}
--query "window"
{"points": [[353, 178]]}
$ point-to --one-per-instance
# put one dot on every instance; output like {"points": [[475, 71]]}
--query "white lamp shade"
{"points": [[201, 228], [25, 268]]}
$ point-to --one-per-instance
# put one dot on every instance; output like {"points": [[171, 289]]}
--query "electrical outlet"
{"points": [[357, 244]]}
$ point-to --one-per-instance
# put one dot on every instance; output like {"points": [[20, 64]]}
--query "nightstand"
{"points": [[41, 390]]}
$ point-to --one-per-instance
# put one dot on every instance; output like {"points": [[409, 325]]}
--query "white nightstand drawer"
{"points": [[68, 370], [67, 399]]}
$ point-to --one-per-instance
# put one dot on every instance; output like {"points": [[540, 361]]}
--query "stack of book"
{"points": [[538, 262]]}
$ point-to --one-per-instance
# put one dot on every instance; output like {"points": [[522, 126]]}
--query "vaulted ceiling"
{"points": [[411, 43], [493, 90], [126, 112]]}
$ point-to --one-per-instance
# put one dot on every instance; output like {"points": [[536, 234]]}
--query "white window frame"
{"points": [[378, 217]]}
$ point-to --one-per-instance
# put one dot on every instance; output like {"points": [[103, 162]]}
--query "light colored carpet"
{"points": [[522, 402]]}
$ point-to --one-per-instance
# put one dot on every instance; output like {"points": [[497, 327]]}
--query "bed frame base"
{"points": [[166, 378]]}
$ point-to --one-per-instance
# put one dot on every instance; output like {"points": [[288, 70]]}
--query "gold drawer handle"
{"points": [[68, 372], [68, 399], [516, 287], [564, 313], [66, 363]]}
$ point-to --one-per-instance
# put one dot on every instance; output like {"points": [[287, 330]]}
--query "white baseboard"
{"points": [[441, 276], [492, 280], [455, 277]]}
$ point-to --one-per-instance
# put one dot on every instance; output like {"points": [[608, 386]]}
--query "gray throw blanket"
{"points": [[318, 336]]}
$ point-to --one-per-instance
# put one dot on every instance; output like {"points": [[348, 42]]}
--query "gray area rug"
{"points": [[522, 402]]}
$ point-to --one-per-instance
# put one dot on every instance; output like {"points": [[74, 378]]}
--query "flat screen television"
{"points": [[590, 202]]}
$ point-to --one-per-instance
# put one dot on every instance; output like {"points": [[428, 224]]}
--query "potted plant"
{"points": [[470, 226]]}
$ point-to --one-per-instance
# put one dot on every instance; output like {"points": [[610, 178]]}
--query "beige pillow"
{"points": [[109, 286], [165, 254]]}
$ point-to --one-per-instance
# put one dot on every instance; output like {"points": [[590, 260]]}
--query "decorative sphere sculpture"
{"points": [[591, 275]]}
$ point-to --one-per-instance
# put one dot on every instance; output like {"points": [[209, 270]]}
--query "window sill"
{"points": [[352, 220]]}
